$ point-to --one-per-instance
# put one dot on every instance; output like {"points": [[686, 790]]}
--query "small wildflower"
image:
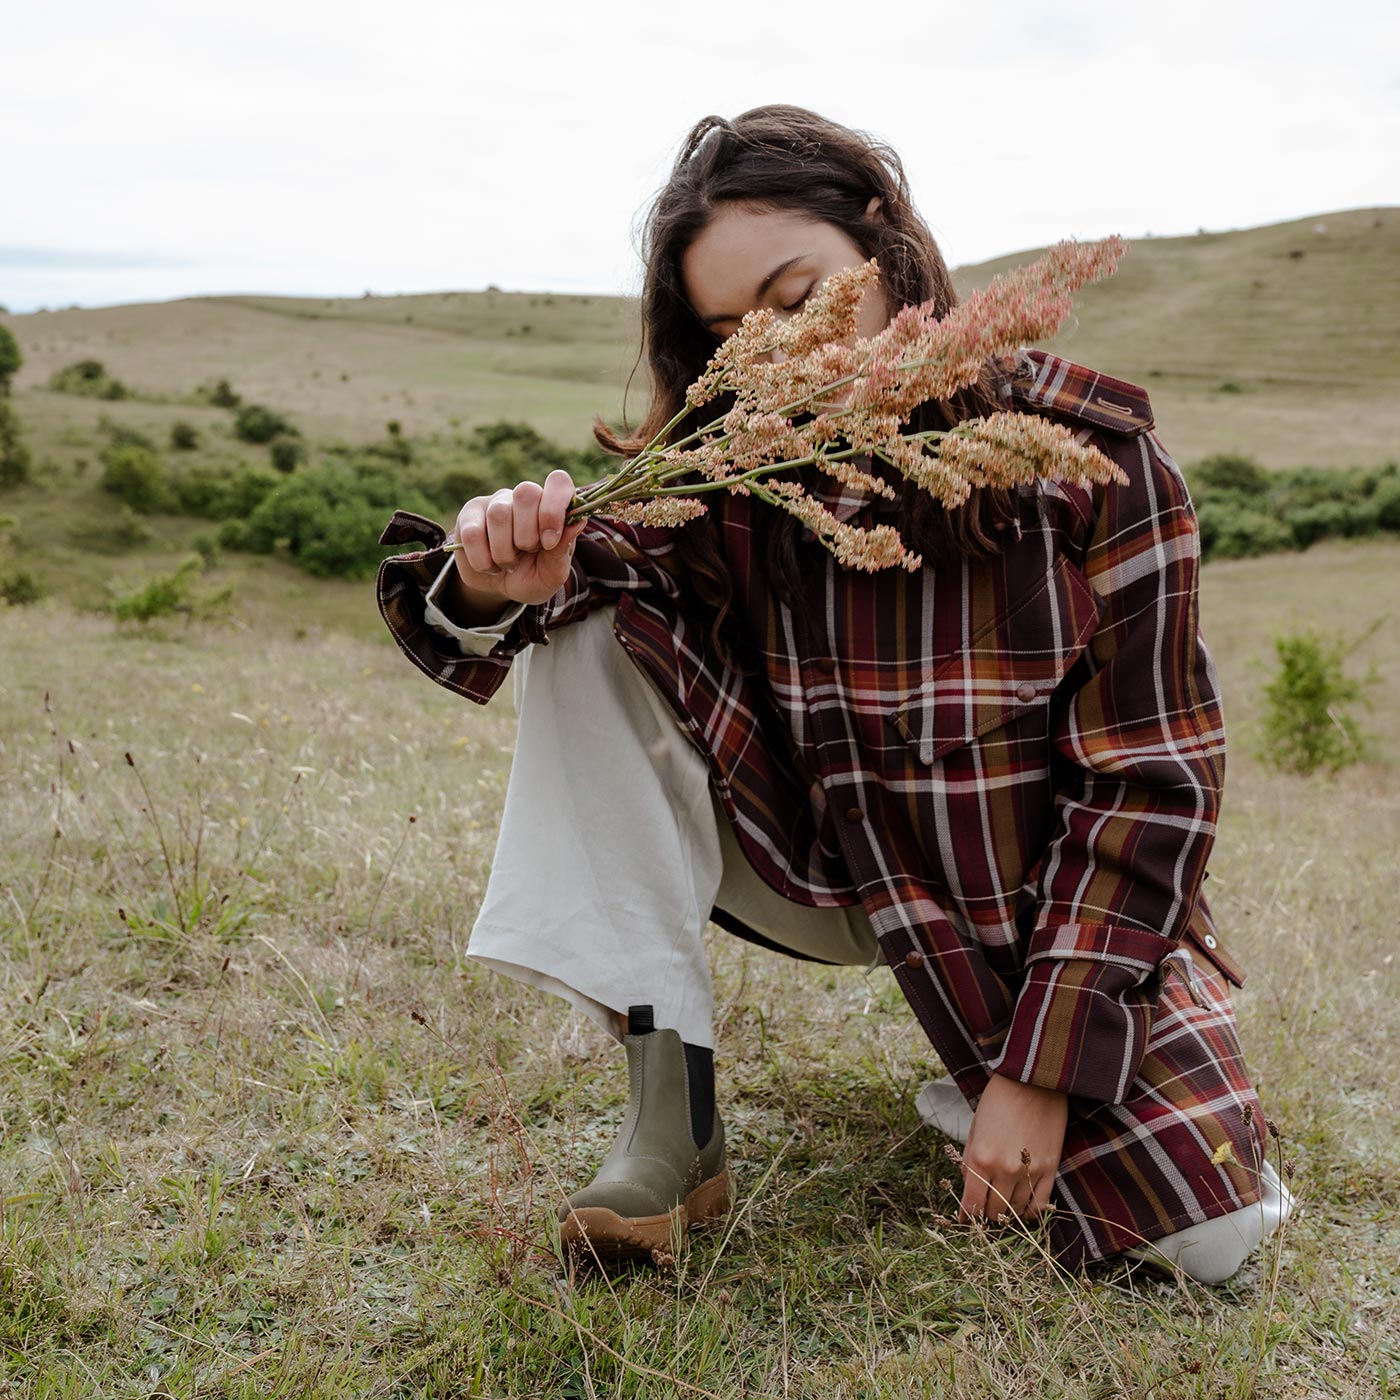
{"points": [[952, 1153], [1224, 1153], [1289, 1167], [1248, 1114], [1025, 1156], [1272, 1127]]}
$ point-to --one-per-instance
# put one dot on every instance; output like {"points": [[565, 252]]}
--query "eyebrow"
{"points": [[763, 286]]}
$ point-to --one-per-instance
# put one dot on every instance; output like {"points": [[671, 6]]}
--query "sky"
{"points": [[159, 149]]}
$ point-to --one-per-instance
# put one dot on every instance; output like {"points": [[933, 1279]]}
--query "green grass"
{"points": [[267, 1133]]}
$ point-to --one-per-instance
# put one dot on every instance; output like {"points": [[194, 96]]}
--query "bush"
{"points": [[288, 453], [1306, 726], [1387, 505], [165, 594], [15, 459], [254, 423], [327, 518], [1231, 531], [217, 493], [1230, 472], [135, 476], [90, 379], [184, 437], [20, 588], [1347, 518], [219, 393], [10, 358]]}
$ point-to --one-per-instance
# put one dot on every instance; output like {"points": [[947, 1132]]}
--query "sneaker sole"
{"points": [[595, 1229]]}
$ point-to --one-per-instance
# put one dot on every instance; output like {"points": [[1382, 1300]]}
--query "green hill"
{"points": [[1280, 342]]}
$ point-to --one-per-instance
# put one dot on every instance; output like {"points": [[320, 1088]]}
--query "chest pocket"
{"points": [[1008, 670]]}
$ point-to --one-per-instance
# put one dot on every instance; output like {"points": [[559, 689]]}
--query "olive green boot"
{"points": [[655, 1181]]}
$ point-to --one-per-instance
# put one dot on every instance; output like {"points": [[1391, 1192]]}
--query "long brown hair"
{"points": [[782, 157]]}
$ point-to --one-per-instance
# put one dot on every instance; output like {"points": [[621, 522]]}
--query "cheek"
{"points": [[875, 312]]}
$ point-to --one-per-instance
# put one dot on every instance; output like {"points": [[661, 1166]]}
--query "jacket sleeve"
{"points": [[610, 559], [1141, 741]]}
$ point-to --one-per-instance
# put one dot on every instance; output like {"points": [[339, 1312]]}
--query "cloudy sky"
{"points": [[160, 148]]}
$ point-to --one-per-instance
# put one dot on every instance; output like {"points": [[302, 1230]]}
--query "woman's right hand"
{"points": [[515, 545]]}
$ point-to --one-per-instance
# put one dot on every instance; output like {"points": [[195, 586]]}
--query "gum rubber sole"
{"points": [[593, 1229]]}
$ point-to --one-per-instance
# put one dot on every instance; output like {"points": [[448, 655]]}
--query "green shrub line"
{"points": [[1244, 510], [90, 379], [323, 506]]}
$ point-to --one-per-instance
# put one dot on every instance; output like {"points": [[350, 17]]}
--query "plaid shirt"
{"points": [[1015, 764]]}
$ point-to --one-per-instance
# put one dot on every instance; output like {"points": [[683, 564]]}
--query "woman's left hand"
{"points": [[1013, 1150]]}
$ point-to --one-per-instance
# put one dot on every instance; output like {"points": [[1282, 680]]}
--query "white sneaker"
{"points": [[941, 1105]]}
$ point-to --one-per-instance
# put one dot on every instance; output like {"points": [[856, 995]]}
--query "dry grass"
{"points": [[266, 1133]]}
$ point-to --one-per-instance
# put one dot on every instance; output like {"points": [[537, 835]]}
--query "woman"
{"points": [[1000, 775]]}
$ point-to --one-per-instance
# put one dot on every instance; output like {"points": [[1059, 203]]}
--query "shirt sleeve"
{"points": [[611, 559], [1141, 741], [474, 641]]}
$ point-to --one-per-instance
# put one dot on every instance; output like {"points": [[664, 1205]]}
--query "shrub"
{"points": [[1306, 726], [254, 423], [1387, 505], [184, 437], [328, 519], [219, 393], [1231, 531], [90, 379], [288, 453], [19, 588], [15, 459], [217, 493], [135, 476], [1232, 473], [10, 358], [164, 594], [1314, 522]]}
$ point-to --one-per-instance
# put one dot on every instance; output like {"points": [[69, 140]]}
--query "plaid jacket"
{"points": [[1015, 764]]}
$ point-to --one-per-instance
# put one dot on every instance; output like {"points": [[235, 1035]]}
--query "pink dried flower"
{"points": [[835, 398]]}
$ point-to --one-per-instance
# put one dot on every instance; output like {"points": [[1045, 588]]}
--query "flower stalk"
{"points": [[808, 392]]}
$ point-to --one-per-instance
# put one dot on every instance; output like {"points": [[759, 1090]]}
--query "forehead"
{"points": [[738, 248]]}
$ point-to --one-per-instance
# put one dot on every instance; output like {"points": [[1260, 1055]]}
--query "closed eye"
{"points": [[800, 300]]}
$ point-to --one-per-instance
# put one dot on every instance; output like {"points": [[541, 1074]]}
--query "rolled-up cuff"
{"points": [[474, 641], [1080, 1027]]}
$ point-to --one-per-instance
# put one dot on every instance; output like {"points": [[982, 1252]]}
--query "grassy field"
{"points": [[266, 1132]]}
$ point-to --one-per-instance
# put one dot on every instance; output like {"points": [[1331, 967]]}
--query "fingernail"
{"points": [[550, 538]]}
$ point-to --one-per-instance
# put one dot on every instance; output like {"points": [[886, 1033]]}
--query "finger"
{"points": [[500, 529], [554, 564], [1040, 1197], [525, 501], [999, 1191], [1019, 1192], [974, 1197], [558, 492], [471, 531]]}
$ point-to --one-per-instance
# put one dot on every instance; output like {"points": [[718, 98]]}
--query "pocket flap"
{"points": [[1011, 665]]}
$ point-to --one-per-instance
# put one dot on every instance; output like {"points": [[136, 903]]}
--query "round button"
{"points": [[1025, 691], [854, 814], [826, 663], [1209, 940], [914, 959]]}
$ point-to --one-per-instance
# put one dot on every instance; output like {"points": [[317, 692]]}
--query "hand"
{"points": [[1012, 1119], [515, 544]]}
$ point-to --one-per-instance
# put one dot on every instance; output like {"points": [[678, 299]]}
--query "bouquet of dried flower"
{"points": [[829, 399]]}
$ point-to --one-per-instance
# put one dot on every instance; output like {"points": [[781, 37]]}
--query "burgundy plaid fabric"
{"points": [[1016, 765]]}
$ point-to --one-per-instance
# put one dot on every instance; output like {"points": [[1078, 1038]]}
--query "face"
{"points": [[746, 258]]}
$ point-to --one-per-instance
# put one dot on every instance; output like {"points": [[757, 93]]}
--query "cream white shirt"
{"points": [[474, 641]]}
